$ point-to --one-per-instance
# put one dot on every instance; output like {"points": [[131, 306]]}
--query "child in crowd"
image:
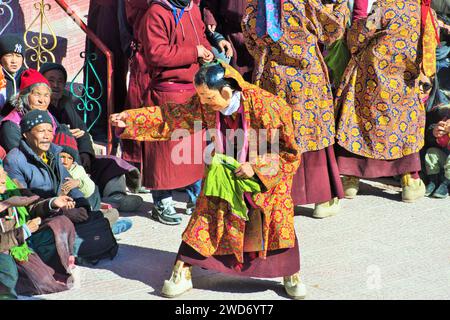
{"points": [[12, 49], [81, 180], [438, 158]]}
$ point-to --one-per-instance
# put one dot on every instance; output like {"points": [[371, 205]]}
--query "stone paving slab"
{"points": [[377, 247]]}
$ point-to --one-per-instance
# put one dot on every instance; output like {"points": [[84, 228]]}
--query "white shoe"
{"points": [[326, 209], [294, 287], [180, 281]]}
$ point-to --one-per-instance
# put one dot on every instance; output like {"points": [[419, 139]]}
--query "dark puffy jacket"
{"points": [[31, 172]]}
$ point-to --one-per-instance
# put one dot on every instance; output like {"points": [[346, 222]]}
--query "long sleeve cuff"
{"points": [[26, 232]]}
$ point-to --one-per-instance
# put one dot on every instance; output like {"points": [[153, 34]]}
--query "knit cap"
{"points": [[34, 117], [67, 141]]}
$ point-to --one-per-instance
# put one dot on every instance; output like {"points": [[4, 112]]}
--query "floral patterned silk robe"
{"points": [[381, 116], [212, 229], [293, 67]]}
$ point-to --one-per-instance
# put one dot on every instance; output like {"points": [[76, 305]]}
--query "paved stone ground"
{"points": [[377, 247]]}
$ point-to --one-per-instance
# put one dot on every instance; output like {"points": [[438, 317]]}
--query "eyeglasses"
{"points": [[425, 86]]}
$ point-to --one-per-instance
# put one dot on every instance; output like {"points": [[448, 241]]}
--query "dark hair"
{"points": [[212, 75]]}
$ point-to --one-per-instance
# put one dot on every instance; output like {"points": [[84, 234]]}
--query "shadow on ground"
{"points": [[149, 266]]}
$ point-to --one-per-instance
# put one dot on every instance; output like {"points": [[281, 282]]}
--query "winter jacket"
{"points": [[33, 173], [170, 49], [12, 84]]}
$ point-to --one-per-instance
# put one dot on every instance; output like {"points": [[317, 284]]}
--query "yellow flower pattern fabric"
{"points": [[212, 229], [380, 114], [293, 67]]}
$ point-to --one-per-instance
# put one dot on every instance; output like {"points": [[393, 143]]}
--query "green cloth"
{"points": [[221, 182], [20, 253], [337, 60]]}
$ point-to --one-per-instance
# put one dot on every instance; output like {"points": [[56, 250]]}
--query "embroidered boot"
{"points": [[179, 282], [351, 186], [412, 189], [294, 287], [326, 209]]}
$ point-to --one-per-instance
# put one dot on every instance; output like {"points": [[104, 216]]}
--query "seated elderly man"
{"points": [[36, 165]]}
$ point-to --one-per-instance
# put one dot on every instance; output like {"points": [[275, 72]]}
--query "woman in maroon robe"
{"points": [[172, 36]]}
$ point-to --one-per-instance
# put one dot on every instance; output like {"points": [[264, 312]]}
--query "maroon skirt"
{"points": [[351, 164], [278, 263], [317, 179]]}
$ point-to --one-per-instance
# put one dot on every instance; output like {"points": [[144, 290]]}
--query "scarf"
{"points": [[430, 39], [235, 104], [268, 19], [19, 253], [180, 4], [2, 88]]}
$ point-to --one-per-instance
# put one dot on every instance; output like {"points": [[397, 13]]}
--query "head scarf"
{"points": [[268, 19]]}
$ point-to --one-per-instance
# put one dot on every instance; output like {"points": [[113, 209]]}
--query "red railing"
{"points": [[109, 58]]}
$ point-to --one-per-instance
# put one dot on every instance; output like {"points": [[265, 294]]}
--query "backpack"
{"points": [[94, 240]]}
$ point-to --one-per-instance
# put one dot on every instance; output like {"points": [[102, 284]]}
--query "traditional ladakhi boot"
{"points": [[326, 209], [179, 282], [351, 186], [412, 189], [294, 287]]}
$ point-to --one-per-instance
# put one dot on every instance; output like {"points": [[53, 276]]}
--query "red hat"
{"points": [[30, 77], [64, 138]]}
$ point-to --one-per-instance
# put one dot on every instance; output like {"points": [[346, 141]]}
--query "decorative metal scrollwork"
{"points": [[89, 99], [4, 9], [40, 45]]}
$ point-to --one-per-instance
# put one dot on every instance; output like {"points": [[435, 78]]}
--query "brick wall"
{"points": [[71, 40]]}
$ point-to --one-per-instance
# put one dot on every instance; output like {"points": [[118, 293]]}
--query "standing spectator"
{"points": [[225, 17], [284, 38], [103, 21], [139, 78], [173, 40], [12, 49], [381, 121]]}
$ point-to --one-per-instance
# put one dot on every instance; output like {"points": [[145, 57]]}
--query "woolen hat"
{"points": [[30, 77], [48, 66], [67, 141], [34, 117], [10, 43]]}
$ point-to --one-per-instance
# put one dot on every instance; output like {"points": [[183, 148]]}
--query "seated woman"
{"points": [[36, 242], [264, 244]]}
